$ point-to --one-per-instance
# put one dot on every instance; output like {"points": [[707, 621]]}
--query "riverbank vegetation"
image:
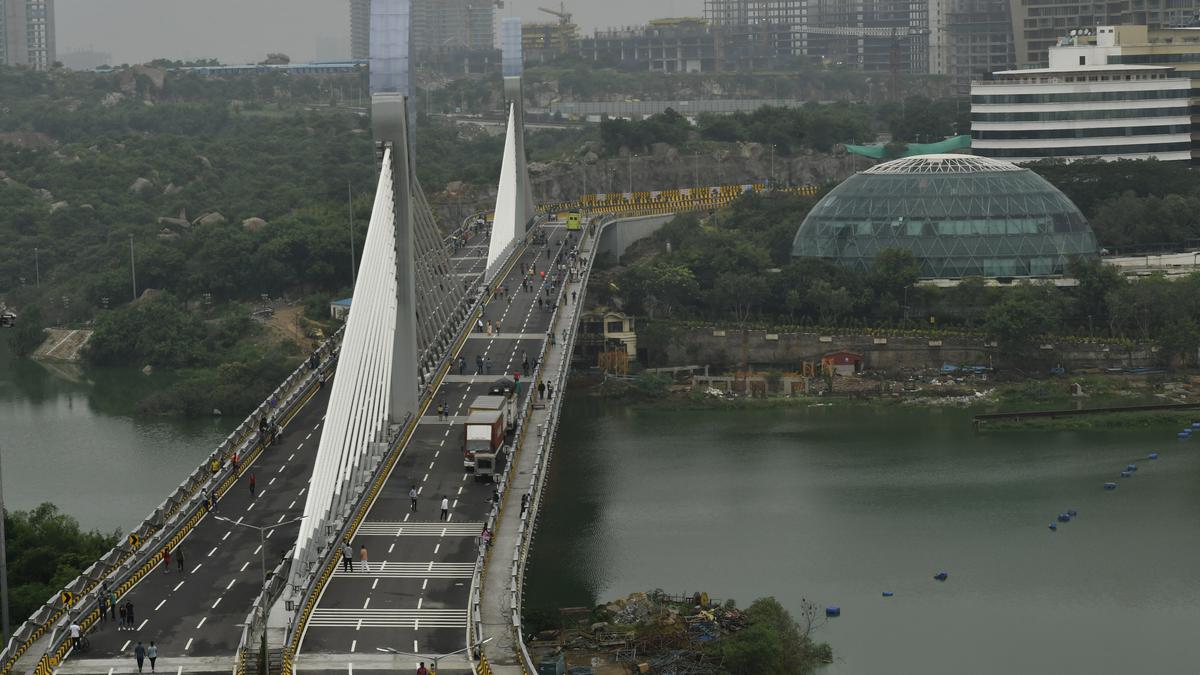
{"points": [[46, 550], [735, 269], [687, 632]]}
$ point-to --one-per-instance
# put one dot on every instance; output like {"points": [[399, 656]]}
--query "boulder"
{"points": [[253, 224], [204, 162], [175, 222], [213, 218], [58, 206], [45, 195], [166, 234], [147, 369], [140, 185], [591, 158], [172, 189]]}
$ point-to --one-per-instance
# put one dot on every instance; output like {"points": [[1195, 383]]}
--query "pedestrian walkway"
{"points": [[496, 598]]}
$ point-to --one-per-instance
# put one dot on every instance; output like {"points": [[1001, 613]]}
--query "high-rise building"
{"points": [[27, 33], [1038, 24], [360, 29], [439, 27]]}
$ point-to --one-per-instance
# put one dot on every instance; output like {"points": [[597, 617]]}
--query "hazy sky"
{"points": [[242, 31]]}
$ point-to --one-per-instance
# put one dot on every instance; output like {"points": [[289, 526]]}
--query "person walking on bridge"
{"points": [[253, 481], [541, 390], [362, 557], [412, 496], [166, 555], [347, 558], [152, 654], [139, 653], [421, 670], [129, 614], [112, 606], [445, 508], [102, 603], [179, 558]]}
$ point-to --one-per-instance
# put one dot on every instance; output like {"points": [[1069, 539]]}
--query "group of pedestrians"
{"points": [[348, 558]]}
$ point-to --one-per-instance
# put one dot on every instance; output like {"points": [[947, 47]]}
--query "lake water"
{"points": [[840, 504], [81, 445]]}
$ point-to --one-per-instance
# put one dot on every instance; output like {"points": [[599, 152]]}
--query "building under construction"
{"points": [[443, 31], [875, 35]]}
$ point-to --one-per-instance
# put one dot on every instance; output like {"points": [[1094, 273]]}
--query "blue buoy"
{"points": [[1110, 486], [1153, 455], [1196, 425], [1064, 517], [887, 594], [1126, 474], [833, 611], [941, 576], [1072, 512], [1054, 526], [1182, 435], [1131, 467]]}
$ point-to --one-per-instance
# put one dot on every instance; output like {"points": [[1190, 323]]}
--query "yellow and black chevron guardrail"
{"points": [[50, 660], [293, 646]]}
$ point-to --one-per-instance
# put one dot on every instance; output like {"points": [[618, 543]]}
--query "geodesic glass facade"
{"points": [[959, 215]]}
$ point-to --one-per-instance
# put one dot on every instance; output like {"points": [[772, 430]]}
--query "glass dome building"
{"points": [[960, 215]]}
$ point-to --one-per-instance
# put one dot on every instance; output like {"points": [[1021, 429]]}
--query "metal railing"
{"points": [[123, 567], [320, 575]]}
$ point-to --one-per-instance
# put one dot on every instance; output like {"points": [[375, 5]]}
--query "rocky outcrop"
{"points": [[58, 206], [254, 224], [214, 218], [140, 185]]}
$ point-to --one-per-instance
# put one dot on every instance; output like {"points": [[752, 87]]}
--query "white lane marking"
{"points": [[281, 468], [216, 603], [227, 535], [298, 447], [271, 482], [292, 504], [424, 584], [291, 456], [251, 506], [459, 490], [367, 602], [185, 648], [302, 491], [419, 601], [359, 625], [176, 587], [239, 520], [160, 604], [315, 427], [390, 549], [375, 583], [196, 568], [201, 623], [436, 549], [442, 444], [258, 549], [414, 641], [126, 645], [143, 624], [214, 550], [281, 518], [180, 671], [454, 505], [350, 668], [244, 566], [435, 456], [425, 478], [270, 533], [406, 517], [231, 583], [353, 644], [309, 436], [431, 466]]}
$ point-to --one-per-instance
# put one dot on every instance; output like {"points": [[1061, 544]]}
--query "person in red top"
{"points": [[252, 482], [422, 670], [167, 560]]}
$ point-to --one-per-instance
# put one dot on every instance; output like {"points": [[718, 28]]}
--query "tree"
{"points": [[740, 294], [773, 642], [893, 272], [1018, 321], [28, 333], [46, 550]]}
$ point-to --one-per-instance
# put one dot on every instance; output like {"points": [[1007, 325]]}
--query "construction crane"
{"points": [[894, 33], [566, 29]]}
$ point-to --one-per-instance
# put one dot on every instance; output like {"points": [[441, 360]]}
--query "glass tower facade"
{"points": [[959, 215]]}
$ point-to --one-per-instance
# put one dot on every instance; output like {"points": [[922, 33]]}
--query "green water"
{"points": [[840, 504], [80, 444]]}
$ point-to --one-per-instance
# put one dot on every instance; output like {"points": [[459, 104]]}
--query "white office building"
{"points": [[1086, 104], [27, 33]]}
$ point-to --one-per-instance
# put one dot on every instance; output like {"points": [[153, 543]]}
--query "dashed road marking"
{"points": [[244, 566], [218, 601], [201, 622], [143, 624], [160, 604], [195, 568], [176, 587], [185, 648], [214, 550]]}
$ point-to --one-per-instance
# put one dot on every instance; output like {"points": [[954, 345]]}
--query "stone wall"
{"points": [[787, 351]]}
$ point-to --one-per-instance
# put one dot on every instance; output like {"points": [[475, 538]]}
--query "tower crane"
{"points": [[565, 28]]}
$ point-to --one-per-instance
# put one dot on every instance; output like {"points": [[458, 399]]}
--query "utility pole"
{"points": [[350, 202], [3, 568], [37, 267], [132, 268], [631, 156]]}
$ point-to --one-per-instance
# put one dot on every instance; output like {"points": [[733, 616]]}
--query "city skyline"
{"points": [[244, 31]]}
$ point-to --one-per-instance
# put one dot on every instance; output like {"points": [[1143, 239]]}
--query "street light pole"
{"points": [[262, 559], [37, 268], [631, 156], [3, 569], [432, 658], [132, 268]]}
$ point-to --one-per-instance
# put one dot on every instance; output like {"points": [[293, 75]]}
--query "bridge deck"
{"points": [[195, 616], [413, 596]]}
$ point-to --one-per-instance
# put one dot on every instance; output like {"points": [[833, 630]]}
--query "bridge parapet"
{"points": [[122, 567]]}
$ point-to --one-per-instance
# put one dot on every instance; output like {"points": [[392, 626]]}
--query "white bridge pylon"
{"points": [[512, 209], [407, 310]]}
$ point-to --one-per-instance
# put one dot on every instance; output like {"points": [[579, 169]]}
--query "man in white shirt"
{"points": [[76, 631], [445, 508]]}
